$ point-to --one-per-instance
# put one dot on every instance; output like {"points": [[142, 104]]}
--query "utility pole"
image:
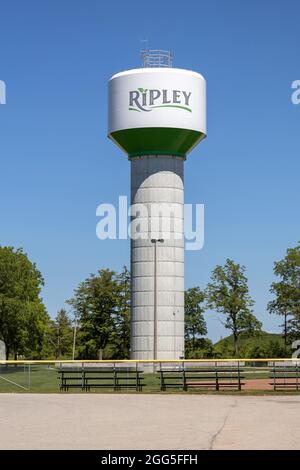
{"points": [[74, 339]]}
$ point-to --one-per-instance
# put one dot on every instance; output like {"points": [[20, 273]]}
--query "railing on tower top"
{"points": [[156, 58]]}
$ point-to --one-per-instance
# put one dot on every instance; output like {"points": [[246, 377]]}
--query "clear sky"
{"points": [[57, 164]]}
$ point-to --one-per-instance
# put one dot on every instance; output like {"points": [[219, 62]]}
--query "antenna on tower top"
{"points": [[144, 45]]}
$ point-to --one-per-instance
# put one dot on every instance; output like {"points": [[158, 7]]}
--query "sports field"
{"points": [[143, 421]]}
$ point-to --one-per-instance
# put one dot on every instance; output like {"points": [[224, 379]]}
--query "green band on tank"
{"points": [[157, 141]]}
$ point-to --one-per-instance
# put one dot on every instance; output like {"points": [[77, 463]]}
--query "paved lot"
{"points": [[98, 421]]}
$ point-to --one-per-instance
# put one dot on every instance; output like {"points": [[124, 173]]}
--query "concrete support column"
{"points": [[157, 179]]}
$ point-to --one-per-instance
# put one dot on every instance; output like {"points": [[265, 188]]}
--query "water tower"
{"points": [[157, 115]]}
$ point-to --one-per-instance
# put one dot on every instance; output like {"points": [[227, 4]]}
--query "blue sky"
{"points": [[57, 164]]}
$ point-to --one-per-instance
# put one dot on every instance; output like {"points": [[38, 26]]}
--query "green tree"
{"points": [[63, 335], [49, 342], [23, 317], [228, 293], [203, 349], [287, 293], [195, 325], [95, 304], [122, 316]]}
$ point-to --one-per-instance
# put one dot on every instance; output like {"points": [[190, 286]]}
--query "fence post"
{"points": [[162, 385], [217, 377], [29, 378], [115, 377], [83, 381], [184, 386]]}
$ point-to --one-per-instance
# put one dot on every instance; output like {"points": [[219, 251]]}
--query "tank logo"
{"points": [[144, 99]]}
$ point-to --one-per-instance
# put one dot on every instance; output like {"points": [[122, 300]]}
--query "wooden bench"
{"points": [[285, 377], [171, 378], [215, 378], [71, 378], [116, 378], [105, 377]]}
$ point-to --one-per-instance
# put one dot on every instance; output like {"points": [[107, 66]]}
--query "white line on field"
{"points": [[10, 381]]}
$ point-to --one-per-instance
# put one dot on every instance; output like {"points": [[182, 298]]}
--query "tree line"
{"points": [[99, 323]]}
